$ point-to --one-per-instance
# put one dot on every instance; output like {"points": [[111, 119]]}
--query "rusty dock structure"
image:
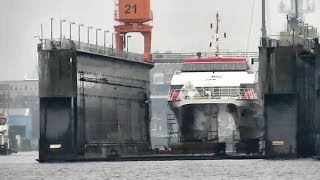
{"points": [[91, 105]]}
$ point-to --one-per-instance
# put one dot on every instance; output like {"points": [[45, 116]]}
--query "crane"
{"points": [[133, 16]]}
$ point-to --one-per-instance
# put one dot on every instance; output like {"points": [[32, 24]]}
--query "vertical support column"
{"points": [[317, 103], [264, 29], [296, 8], [57, 94], [147, 46], [119, 41]]}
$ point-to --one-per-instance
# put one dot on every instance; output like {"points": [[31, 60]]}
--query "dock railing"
{"points": [[174, 56], [212, 93], [48, 44]]}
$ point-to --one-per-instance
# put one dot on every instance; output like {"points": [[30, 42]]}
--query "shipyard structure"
{"points": [[289, 68], [91, 105], [95, 101]]}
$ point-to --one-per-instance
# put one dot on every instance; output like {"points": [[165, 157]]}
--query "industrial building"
{"points": [[22, 95]]}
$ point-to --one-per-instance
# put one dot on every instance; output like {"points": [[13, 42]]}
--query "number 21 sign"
{"points": [[134, 9]]}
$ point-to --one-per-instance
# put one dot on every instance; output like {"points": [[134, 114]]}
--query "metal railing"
{"points": [[48, 44], [212, 93], [170, 56]]}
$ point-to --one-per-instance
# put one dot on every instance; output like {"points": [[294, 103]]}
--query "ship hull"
{"points": [[195, 121], [205, 120]]}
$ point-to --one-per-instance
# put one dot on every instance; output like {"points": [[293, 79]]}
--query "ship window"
{"points": [[176, 86]]}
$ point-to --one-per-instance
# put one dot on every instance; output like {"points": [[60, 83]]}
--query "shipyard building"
{"points": [[21, 102]]}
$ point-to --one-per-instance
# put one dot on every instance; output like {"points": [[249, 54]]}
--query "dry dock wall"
{"points": [[290, 93], [316, 124], [92, 105]]}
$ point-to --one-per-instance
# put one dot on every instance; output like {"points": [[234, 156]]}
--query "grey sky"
{"points": [[179, 26]]}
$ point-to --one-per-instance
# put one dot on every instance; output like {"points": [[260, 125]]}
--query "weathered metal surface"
{"points": [[92, 105], [115, 98], [316, 124], [198, 147], [57, 69], [197, 122], [291, 99], [306, 93], [277, 70], [56, 128], [281, 123]]}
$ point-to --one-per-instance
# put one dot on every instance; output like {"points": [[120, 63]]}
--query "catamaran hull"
{"points": [[199, 120]]}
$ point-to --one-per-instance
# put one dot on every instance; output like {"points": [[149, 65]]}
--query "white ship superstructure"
{"points": [[214, 98]]}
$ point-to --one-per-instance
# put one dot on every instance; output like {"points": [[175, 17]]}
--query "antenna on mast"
{"points": [[264, 28], [217, 35]]}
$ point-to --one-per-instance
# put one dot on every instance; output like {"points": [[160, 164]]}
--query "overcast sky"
{"points": [[179, 26]]}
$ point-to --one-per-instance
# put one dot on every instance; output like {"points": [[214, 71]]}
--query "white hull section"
{"points": [[203, 120]]}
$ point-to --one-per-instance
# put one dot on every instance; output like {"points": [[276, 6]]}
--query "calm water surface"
{"points": [[24, 166]]}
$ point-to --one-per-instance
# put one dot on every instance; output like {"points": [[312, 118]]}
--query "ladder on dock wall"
{"points": [[173, 136]]}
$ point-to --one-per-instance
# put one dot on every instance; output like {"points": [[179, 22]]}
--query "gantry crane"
{"points": [[133, 16]]}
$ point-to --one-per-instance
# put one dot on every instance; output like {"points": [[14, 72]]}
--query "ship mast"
{"points": [[217, 35], [296, 9], [264, 29]]}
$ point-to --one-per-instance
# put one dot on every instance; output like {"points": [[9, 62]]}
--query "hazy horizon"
{"points": [[179, 26]]}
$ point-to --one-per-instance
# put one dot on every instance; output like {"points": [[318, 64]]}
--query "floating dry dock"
{"points": [[94, 101], [159, 157], [291, 96]]}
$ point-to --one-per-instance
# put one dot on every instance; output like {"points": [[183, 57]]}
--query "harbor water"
{"points": [[23, 165]]}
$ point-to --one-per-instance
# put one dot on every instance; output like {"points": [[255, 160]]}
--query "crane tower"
{"points": [[133, 16]]}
